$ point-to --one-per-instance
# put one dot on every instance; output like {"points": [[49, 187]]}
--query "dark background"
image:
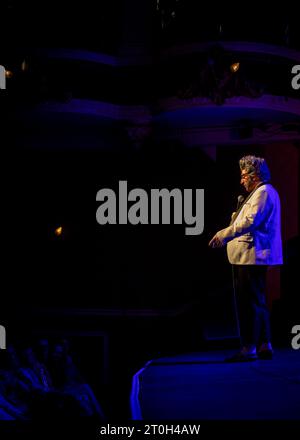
{"points": [[126, 294]]}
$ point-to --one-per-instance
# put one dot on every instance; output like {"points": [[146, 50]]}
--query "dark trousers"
{"points": [[253, 313]]}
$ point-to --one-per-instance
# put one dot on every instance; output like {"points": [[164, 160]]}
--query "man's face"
{"points": [[248, 182]]}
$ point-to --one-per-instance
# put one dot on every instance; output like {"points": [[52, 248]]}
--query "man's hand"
{"points": [[216, 242]]}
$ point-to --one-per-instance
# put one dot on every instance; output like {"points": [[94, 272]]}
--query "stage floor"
{"points": [[201, 386]]}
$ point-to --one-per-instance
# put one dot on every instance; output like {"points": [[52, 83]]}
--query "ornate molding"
{"points": [[121, 61]]}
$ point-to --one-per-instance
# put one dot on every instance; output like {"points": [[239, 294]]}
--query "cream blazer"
{"points": [[255, 235]]}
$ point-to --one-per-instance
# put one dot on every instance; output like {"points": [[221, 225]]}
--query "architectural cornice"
{"points": [[245, 47], [143, 113], [279, 119]]}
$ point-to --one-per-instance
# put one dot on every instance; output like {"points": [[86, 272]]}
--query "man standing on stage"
{"points": [[253, 241]]}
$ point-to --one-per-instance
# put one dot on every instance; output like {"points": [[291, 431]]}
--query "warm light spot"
{"points": [[58, 231], [8, 73], [234, 67]]}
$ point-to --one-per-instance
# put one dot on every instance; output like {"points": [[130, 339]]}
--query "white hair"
{"points": [[255, 166]]}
